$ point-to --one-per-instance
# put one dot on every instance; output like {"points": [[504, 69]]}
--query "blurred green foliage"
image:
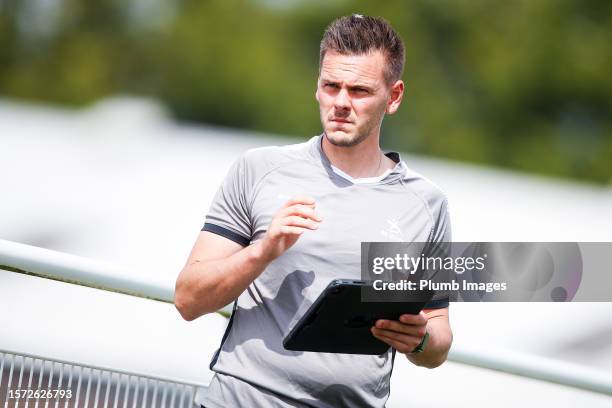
{"points": [[521, 84]]}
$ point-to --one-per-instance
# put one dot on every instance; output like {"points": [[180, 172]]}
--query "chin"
{"points": [[342, 138]]}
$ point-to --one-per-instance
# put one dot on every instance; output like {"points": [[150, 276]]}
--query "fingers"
{"points": [[403, 335], [300, 200], [296, 216], [398, 327], [404, 345], [295, 221], [301, 206], [287, 229], [301, 211], [404, 338], [417, 319]]}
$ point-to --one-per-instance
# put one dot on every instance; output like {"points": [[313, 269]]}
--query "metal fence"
{"points": [[32, 381]]}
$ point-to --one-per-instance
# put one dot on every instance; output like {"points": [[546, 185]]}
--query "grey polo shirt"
{"points": [[252, 367]]}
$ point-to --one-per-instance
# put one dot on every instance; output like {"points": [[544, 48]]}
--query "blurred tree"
{"points": [[520, 84]]}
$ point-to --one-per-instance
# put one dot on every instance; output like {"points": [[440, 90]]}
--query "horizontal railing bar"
{"points": [[536, 367], [74, 269]]}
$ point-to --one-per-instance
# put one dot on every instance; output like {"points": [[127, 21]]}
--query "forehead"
{"points": [[368, 68]]}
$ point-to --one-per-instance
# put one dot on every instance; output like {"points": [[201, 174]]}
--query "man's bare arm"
{"points": [[218, 270], [206, 283], [440, 340]]}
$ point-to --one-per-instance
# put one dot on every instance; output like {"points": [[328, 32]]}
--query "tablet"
{"points": [[339, 321]]}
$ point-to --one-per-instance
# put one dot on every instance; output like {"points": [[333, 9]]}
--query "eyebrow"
{"points": [[353, 85]]}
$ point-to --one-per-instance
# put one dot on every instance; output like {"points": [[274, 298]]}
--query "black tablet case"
{"points": [[339, 321]]}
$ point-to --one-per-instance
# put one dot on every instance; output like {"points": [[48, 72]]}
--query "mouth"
{"points": [[341, 121]]}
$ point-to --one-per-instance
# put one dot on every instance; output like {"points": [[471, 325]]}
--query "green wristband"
{"points": [[421, 345]]}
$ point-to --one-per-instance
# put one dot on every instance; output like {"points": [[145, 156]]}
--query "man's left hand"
{"points": [[403, 335]]}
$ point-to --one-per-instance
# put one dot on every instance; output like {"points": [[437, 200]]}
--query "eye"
{"points": [[331, 85], [360, 90]]}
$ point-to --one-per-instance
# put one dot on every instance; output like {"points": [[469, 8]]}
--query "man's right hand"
{"points": [[289, 223], [218, 269]]}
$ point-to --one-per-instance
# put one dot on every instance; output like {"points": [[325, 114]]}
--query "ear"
{"points": [[317, 92], [397, 93]]}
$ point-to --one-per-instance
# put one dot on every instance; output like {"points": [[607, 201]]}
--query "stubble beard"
{"points": [[359, 136], [348, 141]]}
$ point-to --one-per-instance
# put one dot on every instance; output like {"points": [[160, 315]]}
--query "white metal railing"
{"points": [[29, 380], [81, 271], [536, 367], [78, 270]]}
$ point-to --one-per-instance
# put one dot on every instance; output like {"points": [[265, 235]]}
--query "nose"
{"points": [[342, 101]]}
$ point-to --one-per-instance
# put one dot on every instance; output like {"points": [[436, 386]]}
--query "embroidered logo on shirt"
{"points": [[393, 231]]}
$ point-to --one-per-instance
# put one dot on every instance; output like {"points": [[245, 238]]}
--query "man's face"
{"points": [[353, 96]]}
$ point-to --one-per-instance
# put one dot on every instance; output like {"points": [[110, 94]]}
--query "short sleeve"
{"points": [[229, 214], [439, 246]]}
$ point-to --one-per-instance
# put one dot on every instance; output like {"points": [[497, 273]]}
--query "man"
{"points": [[288, 220]]}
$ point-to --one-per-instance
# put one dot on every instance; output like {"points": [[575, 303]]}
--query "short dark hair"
{"points": [[358, 34]]}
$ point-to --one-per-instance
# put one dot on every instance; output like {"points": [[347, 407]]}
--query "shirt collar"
{"points": [[316, 150]]}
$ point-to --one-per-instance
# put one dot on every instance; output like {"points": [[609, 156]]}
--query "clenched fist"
{"points": [[294, 217]]}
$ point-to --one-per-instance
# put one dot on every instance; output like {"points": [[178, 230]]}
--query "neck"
{"points": [[362, 160]]}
